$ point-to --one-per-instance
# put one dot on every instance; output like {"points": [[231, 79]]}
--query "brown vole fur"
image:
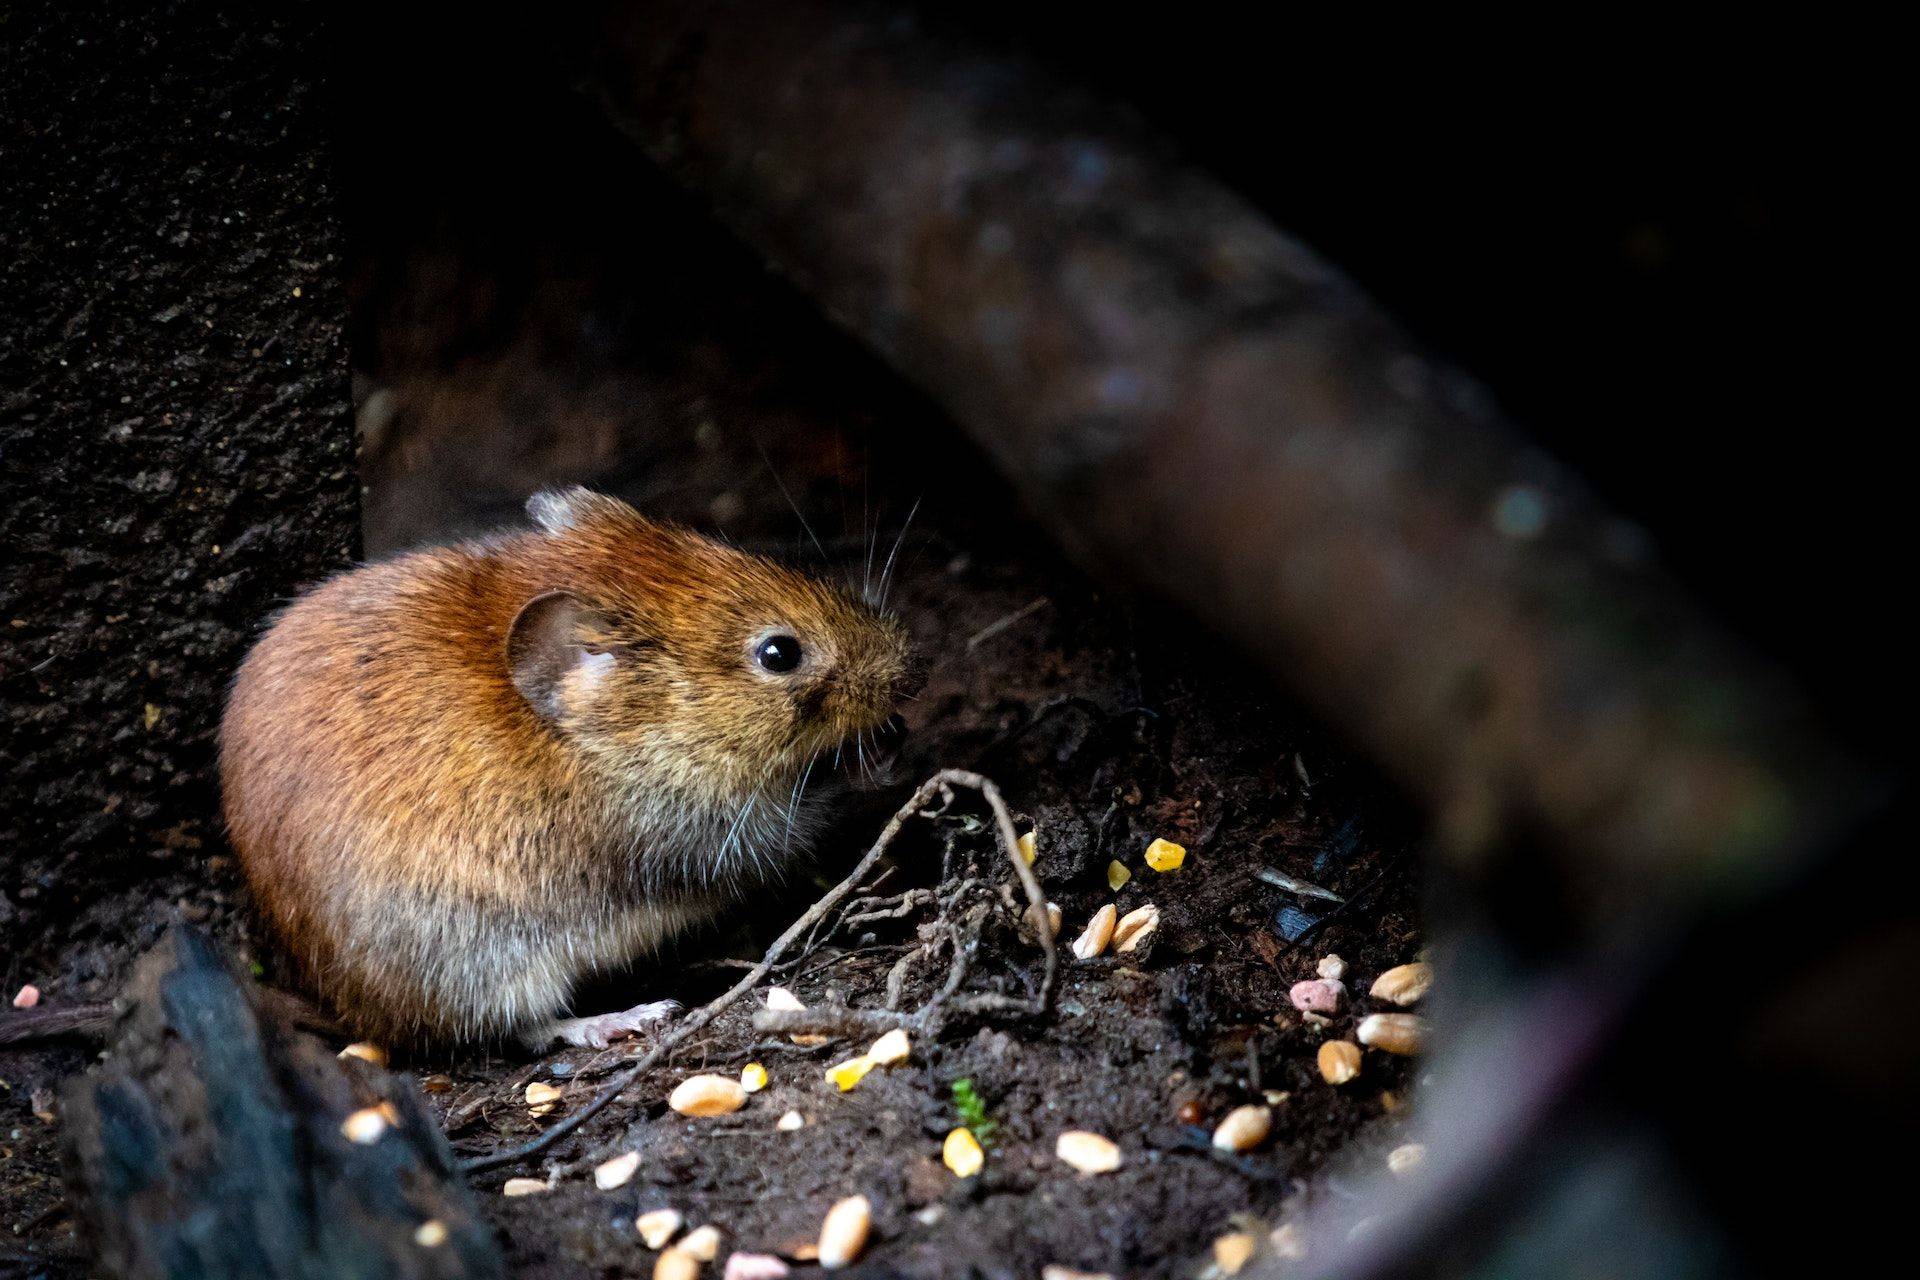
{"points": [[461, 780]]}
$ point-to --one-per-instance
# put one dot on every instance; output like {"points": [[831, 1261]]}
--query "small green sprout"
{"points": [[973, 1111]]}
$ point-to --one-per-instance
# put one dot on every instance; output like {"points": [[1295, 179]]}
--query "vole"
{"points": [[464, 779]]}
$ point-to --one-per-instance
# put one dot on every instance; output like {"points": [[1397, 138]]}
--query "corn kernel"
{"points": [[1165, 855], [366, 1053], [961, 1153], [364, 1126], [1088, 1152], [891, 1048], [851, 1072], [1117, 875], [753, 1077], [1029, 850], [657, 1227]]}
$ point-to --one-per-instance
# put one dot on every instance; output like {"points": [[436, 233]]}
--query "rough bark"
{"points": [[209, 1144]]}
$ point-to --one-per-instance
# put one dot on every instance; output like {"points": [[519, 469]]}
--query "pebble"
{"points": [[1317, 995]]}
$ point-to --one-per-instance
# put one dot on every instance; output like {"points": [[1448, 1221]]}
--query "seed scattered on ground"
{"points": [[1332, 967], [366, 1053], [1401, 1033], [702, 1243], [675, 1264], [1165, 855], [1088, 1152], [755, 1266], [1275, 1097], [1117, 875], [1243, 1128], [522, 1187], [1231, 1252], [849, 1073], [753, 1077], [891, 1048], [961, 1153], [1053, 919], [1288, 1242], [707, 1095], [1133, 927], [26, 997], [1317, 995], [365, 1126], [1099, 931], [1028, 849], [617, 1172], [657, 1226], [844, 1234], [790, 1121], [1339, 1061], [786, 1002], [1403, 985], [430, 1234], [543, 1098], [1054, 1271], [1403, 1160]]}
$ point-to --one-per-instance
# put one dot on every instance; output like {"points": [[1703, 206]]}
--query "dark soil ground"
{"points": [[178, 461]]}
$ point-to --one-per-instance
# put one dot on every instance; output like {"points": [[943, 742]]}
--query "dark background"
{"points": [[1658, 245]]}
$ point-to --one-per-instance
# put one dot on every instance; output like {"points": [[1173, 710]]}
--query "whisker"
{"points": [[886, 572], [782, 486]]}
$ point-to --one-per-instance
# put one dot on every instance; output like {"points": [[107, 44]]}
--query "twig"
{"points": [[940, 784]]}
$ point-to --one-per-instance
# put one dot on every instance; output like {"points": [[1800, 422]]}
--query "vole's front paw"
{"points": [[601, 1029]]}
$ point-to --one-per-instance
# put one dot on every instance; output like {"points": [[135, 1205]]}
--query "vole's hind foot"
{"points": [[601, 1029]]}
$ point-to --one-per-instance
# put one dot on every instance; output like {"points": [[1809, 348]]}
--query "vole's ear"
{"points": [[557, 510], [547, 643]]}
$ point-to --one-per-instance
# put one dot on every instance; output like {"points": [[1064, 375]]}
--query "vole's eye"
{"points": [[778, 654]]}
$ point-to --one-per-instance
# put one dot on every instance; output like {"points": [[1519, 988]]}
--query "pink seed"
{"points": [[29, 996]]}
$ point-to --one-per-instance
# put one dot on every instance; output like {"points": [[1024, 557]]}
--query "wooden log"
{"points": [[209, 1143]]}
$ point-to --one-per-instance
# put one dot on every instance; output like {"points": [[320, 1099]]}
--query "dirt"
{"points": [[175, 479], [175, 458]]}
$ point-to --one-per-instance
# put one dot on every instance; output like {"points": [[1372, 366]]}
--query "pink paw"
{"points": [[603, 1028]]}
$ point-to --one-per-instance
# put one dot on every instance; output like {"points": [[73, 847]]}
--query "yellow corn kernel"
{"points": [[1028, 850], [1117, 875], [961, 1153], [851, 1072], [1165, 855], [753, 1077]]}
